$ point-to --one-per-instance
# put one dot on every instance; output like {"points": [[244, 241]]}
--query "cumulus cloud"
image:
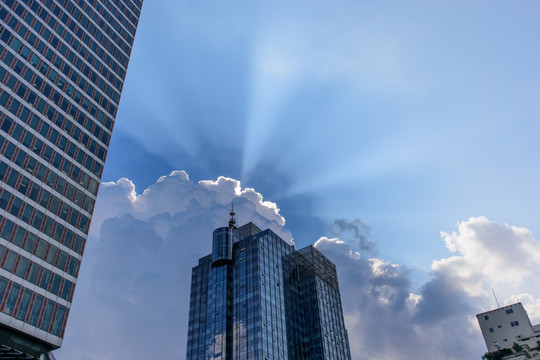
{"points": [[132, 297], [176, 194], [387, 319], [489, 253], [355, 233]]}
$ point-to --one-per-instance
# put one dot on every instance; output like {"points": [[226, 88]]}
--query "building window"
{"points": [[509, 311], [486, 317], [491, 330], [514, 323]]}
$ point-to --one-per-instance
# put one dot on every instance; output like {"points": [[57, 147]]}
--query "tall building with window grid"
{"points": [[62, 68], [255, 297]]}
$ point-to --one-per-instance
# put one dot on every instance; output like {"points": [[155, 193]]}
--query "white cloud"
{"points": [[176, 193], [134, 283], [490, 255], [532, 305], [132, 297], [386, 319], [382, 268]]}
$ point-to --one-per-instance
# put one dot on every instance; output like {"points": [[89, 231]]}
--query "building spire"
{"points": [[232, 222]]}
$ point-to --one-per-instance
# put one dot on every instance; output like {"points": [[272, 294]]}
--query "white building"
{"points": [[504, 326]]}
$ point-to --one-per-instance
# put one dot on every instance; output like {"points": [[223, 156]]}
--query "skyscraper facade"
{"points": [[255, 297], [62, 68]]}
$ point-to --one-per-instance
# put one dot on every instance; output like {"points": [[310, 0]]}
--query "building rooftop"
{"points": [[248, 229]]}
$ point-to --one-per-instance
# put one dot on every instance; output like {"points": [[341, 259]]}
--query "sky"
{"points": [[399, 137]]}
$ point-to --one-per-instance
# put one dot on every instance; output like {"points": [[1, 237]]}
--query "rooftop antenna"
{"points": [[495, 296], [232, 222]]}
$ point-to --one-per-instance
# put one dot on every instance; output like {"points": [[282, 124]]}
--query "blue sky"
{"points": [[411, 116]]}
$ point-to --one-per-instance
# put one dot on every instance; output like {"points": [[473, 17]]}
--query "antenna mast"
{"points": [[232, 222], [495, 296]]}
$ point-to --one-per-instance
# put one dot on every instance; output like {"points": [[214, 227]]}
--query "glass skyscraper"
{"points": [[255, 297], [62, 68]]}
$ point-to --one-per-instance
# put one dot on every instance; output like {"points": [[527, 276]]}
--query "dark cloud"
{"points": [[355, 233], [132, 296], [386, 320], [442, 298], [298, 209]]}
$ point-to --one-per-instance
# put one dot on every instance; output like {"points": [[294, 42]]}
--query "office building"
{"points": [[504, 326], [255, 297], [62, 68]]}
